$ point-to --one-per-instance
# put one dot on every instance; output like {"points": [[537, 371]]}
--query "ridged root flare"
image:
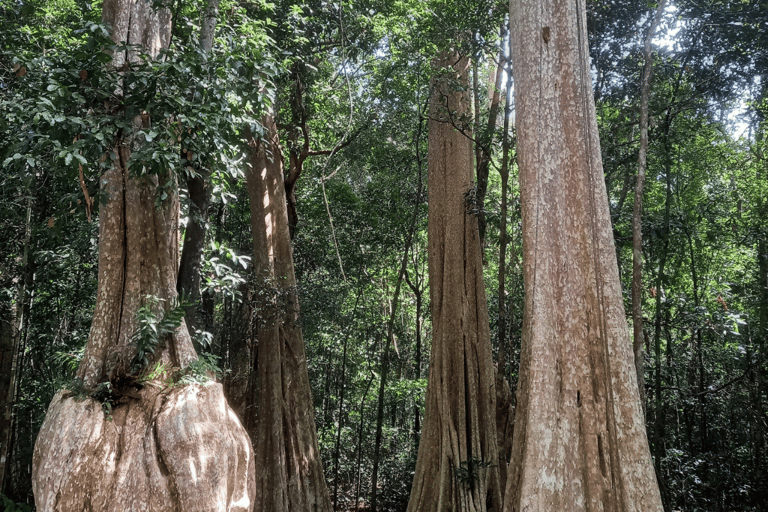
{"points": [[171, 449]]}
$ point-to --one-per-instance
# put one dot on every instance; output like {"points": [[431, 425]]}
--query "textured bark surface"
{"points": [[290, 469], [178, 448], [580, 441], [456, 467], [241, 380], [138, 242], [175, 449]]}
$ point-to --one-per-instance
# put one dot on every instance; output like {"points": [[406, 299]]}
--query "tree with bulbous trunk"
{"points": [[139, 445], [285, 442], [580, 440], [456, 467]]}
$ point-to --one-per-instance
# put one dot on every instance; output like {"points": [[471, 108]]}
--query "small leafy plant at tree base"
{"points": [[468, 471], [104, 393], [162, 372], [149, 336], [10, 506], [202, 371], [205, 369], [152, 331]]}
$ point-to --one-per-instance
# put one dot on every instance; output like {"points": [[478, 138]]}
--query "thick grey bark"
{"points": [[580, 441], [175, 449]]}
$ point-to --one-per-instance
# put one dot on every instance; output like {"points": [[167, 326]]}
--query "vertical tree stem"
{"points": [[637, 234]]}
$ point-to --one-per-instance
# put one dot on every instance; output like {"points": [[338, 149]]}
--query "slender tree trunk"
{"points": [[418, 292], [417, 286], [505, 412], [199, 190], [147, 446], [298, 146], [342, 392], [18, 476], [188, 282], [339, 425], [290, 474], [359, 451], [388, 342], [580, 441], [11, 322], [637, 232], [8, 378], [483, 150], [456, 466], [760, 485], [659, 423]]}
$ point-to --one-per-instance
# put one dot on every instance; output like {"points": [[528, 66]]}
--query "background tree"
{"points": [[285, 442], [457, 454]]}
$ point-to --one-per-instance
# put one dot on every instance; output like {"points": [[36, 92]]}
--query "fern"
{"points": [[152, 332], [69, 361], [201, 371]]}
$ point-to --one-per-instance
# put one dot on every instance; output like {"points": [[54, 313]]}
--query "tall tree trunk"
{"points": [[291, 473], [11, 323], [188, 281], [148, 446], [637, 232], [456, 466], [359, 450], [417, 285], [390, 340], [580, 441], [341, 391], [199, 190], [505, 412], [8, 378], [418, 292], [483, 150], [659, 423], [760, 485]]}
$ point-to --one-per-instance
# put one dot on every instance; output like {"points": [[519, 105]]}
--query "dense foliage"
{"points": [[350, 81]]}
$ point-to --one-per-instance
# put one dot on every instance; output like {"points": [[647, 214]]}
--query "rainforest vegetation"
{"points": [[296, 140]]}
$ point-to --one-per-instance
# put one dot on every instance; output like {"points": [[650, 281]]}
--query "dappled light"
{"points": [[383, 256]]}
